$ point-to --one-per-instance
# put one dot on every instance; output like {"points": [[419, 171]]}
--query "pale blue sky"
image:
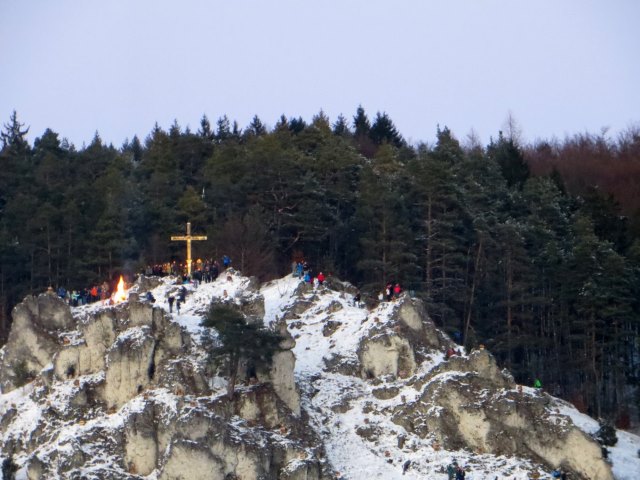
{"points": [[118, 66]]}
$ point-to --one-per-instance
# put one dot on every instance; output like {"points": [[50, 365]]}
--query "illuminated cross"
{"points": [[188, 238]]}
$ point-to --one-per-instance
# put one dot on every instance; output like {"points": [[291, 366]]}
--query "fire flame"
{"points": [[120, 295]]}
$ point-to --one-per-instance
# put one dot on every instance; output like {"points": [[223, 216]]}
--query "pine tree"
{"points": [[297, 125], [256, 127], [13, 136], [384, 224], [361, 123], [239, 340], [362, 129], [205, 129], [341, 127], [441, 234], [511, 160], [384, 131], [223, 131]]}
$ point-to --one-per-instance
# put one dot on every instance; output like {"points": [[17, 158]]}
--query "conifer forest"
{"points": [[532, 250]]}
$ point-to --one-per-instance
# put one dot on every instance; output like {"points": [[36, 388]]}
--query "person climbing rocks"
{"points": [[460, 473], [170, 299], [537, 383], [320, 278], [226, 261], [397, 290]]}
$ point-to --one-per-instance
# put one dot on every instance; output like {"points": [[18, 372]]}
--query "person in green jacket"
{"points": [[451, 470], [537, 383]]}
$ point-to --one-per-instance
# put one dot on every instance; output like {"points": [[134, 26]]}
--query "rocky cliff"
{"points": [[127, 392]]}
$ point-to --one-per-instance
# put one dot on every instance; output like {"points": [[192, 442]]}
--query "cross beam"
{"points": [[188, 238]]}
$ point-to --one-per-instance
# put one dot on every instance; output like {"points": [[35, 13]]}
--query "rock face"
{"points": [[123, 392], [34, 337], [128, 392], [464, 403]]}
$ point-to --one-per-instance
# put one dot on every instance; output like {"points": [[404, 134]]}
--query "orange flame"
{"points": [[120, 295]]}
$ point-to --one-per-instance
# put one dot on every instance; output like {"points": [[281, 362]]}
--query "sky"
{"points": [[119, 66]]}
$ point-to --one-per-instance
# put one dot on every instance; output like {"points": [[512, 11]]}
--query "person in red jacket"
{"points": [[321, 278], [397, 290]]}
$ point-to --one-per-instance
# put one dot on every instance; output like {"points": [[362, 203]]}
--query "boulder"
{"points": [[386, 354]]}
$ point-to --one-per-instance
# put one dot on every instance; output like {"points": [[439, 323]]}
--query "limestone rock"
{"points": [[125, 392], [330, 327], [334, 283], [282, 377], [334, 306], [144, 283], [472, 412], [128, 365], [141, 444], [288, 342], [189, 461], [252, 306], [33, 340], [386, 354]]}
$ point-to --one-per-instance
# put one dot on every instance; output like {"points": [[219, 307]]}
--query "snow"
{"points": [[337, 405], [624, 456], [352, 456]]}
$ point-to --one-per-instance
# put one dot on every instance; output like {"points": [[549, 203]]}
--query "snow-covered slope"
{"points": [[339, 405], [367, 379]]}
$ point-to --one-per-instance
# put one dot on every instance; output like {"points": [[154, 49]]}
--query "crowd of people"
{"points": [[75, 298], [302, 270], [202, 270], [391, 292]]}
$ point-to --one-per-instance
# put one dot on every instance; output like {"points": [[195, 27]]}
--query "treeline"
{"points": [[542, 269]]}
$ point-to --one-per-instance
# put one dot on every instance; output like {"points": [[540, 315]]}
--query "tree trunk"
{"points": [[594, 367], [429, 251], [233, 375], [509, 272], [476, 267]]}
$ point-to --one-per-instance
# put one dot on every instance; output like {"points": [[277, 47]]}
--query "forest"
{"points": [[532, 250]]}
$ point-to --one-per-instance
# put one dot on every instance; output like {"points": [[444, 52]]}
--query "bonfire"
{"points": [[120, 295]]}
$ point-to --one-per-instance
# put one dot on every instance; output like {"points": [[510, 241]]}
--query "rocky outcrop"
{"points": [[129, 366], [134, 385], [34, 338], [126, 392], [282, 378], [386, 354]]}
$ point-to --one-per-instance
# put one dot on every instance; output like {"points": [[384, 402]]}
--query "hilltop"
{"points": [[126, 392]]}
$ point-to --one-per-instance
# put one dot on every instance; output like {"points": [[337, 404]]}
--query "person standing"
{"points": [[451, 470]]}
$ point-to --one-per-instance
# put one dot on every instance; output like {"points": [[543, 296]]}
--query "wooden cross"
{"points": [[188, 238]]}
